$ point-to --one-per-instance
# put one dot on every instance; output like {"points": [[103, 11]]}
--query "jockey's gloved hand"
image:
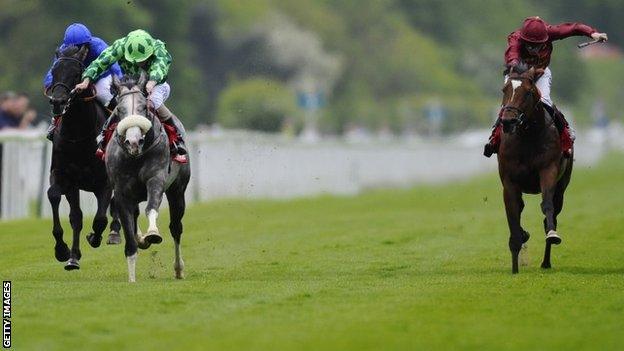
{"points": [[511, 66], [82, 85], [150, 86], [600, 36]]}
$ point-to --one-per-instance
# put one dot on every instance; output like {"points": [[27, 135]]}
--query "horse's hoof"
{"points": [[153, 238], [553, 238], [61, 252], [523, 256], [545, 265], [94, 240], [72, 264], [113, 238], [143, 245]]}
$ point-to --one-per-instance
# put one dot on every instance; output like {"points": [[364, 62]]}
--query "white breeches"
{"points": [[102, 89], [160, 94]]}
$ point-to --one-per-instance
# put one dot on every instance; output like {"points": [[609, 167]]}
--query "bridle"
{"points": [[149, 116], [70, 91], [130, 92], [520, 114]]}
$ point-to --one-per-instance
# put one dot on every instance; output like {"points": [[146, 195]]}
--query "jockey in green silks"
{"points": [[135, 52]]}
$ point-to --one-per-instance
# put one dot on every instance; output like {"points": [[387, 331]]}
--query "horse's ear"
{"points": [[82, 53], [539, 72], [57, 53], [114, 87], [142, 80]]}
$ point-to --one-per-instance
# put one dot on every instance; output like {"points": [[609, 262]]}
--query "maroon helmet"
{"points": [[534, 30]]}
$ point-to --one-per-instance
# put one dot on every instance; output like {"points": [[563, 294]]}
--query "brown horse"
{"points": [[530, 160]]}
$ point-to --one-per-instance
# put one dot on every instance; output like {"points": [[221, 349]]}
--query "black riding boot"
{"points": [[168, 118], [492, 147], [563, 127], [101, 138], [52, 128]]}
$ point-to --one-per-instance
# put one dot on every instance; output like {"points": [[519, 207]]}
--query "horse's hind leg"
{"points": [[114, 237], [513, 200], [61, 251], [75, 219], [177, 207], [100, 220]]}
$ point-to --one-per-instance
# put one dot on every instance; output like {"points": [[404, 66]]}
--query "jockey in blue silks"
{"points": [[77, 34]]}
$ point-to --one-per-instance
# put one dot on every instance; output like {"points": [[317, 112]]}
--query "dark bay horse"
{"points": [[139, 166], [74, 164], [530, 160]]}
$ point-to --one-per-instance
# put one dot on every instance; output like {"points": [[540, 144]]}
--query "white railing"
{"points": [[247, 165]]}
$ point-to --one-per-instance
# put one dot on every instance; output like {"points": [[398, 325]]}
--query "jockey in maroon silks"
{"points": [[532, 45]]}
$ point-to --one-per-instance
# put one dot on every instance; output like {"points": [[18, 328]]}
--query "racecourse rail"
{"points": [[249, 165]]}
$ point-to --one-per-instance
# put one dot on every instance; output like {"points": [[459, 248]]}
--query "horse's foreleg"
{"points": [[523, 256], [177, 206], [75, 219], [100, 220], [138, 235], [61, 251], [513, 200], [113, 237], [558, 206], [155, 189], [548, 185], [126, 216]]}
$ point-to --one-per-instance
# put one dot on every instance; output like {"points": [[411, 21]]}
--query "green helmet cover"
{"points": [[139, 46]]}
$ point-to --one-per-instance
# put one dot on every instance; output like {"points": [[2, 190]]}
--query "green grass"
{"points": [[420, 269]]}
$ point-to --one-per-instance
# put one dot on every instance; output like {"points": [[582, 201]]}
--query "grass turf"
{"points": [[426, 268]]}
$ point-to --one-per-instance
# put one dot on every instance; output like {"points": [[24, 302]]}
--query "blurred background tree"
{"points": [[378, 63]]}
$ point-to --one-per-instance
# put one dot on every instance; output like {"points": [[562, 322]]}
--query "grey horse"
{"points": [[139, 166]]}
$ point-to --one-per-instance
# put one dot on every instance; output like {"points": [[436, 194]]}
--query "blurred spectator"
{"points": [[15, 111]]}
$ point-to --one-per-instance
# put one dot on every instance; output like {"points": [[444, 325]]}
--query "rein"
{"points": [[73, 97], [70, 91]]}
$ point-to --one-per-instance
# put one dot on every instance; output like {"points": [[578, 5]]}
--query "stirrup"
{"points": [[179, 147]]}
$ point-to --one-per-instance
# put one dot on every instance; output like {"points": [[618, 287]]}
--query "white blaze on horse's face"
{"points": [[515, 84]]}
